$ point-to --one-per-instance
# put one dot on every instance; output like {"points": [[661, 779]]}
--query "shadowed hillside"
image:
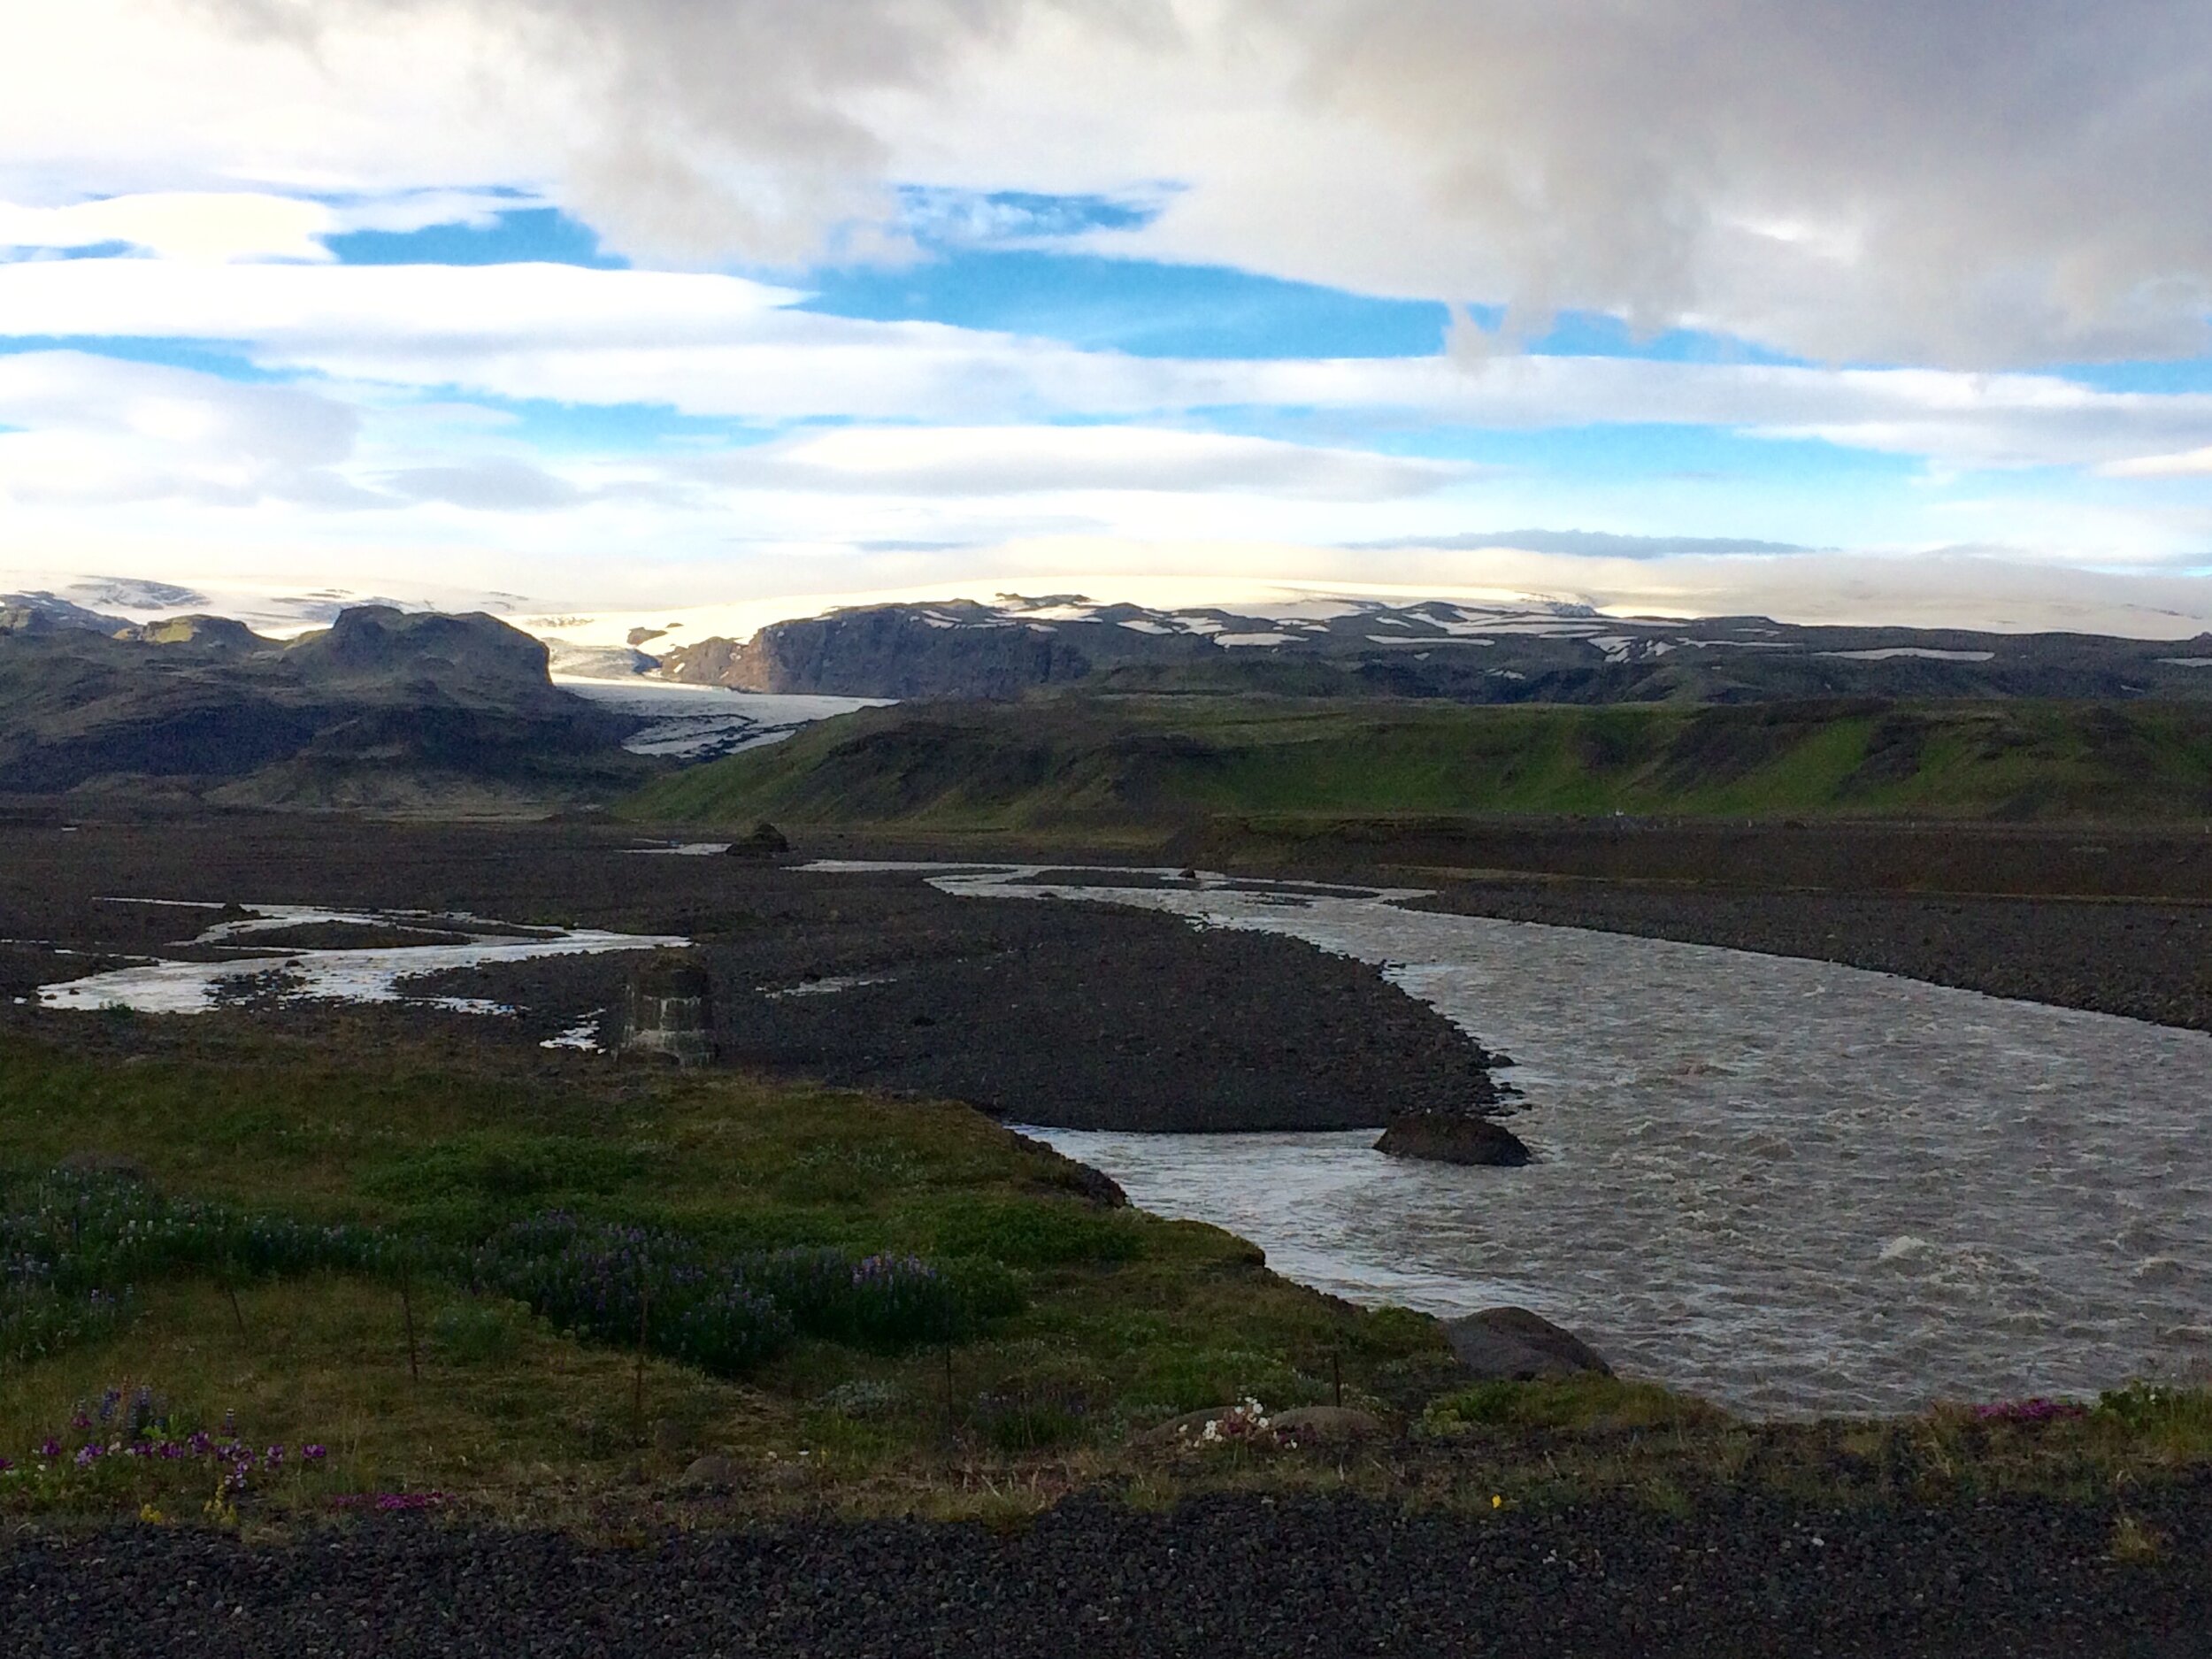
{"points": [[1102, 762]]}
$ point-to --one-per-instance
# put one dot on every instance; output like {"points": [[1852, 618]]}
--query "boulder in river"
{"points": [[1514, 1345], [1453, 1138]]}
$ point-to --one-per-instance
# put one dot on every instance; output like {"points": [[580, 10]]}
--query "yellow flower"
{"points": [[151, 1515], [1496, 1503]]}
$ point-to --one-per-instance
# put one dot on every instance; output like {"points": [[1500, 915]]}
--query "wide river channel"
{"points": [[1786, 1185]]}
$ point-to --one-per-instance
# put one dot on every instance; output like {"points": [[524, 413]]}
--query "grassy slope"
{"points": [[1129, 1318], [1102, 762]]}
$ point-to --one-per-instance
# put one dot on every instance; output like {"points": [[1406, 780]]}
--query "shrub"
{"points": [[73, 1247], [1039, 1232], [624, 1285], [880, 1302], [473, 1333], [503, 1168]]}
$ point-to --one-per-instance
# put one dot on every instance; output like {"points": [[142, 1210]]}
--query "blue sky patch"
{"points": [[1141, 307], [201, 356], [519, 236]]}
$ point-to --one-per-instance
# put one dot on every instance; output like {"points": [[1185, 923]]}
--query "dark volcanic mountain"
{"points": [[1461, 653], [385, 708]]}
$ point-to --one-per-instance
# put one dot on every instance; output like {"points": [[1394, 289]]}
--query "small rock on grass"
{"points": [[711, 1471]]}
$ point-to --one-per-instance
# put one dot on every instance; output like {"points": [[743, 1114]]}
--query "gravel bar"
{"points": [[1219, 1577], [2144, 960]]}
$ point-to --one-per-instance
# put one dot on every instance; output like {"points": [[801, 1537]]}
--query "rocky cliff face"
{"points": [[947, 650], [473, 659], [384, 707], [1469, 654]]}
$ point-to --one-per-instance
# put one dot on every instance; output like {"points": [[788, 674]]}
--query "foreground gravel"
{"points": [[1215, 1578]]}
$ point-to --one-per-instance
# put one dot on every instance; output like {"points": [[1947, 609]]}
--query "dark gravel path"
{"points": [[1215, 1578], [2147, 961]]}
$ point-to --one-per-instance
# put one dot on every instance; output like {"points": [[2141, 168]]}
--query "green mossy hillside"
{"points": [[1108, 763]]}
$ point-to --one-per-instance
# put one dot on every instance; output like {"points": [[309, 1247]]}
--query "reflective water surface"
{"points": [[1787, 1185]]}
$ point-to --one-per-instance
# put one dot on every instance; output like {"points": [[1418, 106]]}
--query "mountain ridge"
{"points": [[1558, 652]]}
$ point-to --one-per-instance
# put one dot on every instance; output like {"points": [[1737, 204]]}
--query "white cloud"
{"points": [[204, 227], [97, 430], [986, 461], [2188, 464], [723, 346], [1983, 182]]}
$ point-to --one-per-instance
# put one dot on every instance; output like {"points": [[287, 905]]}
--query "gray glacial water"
{"points": [[1786, 1186], [379, 975]]}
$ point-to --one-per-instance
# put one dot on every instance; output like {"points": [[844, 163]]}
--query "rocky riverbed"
{"points": [[1219, 1577]]}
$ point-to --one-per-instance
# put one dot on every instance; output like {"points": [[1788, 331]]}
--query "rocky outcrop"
{"points": [[384, 711], [956, 650], [763, 846], [1514, 1345], [1453, 1138], [219, 633], [473, 658]]}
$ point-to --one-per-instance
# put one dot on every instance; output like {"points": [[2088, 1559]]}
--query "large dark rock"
{"points": [[1453, 1138], [1514, 1345], [764, 845]]}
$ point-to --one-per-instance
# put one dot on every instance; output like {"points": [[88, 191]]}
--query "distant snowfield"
{"points": [[700, 722]]}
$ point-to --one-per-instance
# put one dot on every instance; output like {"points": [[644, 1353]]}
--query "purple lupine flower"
{"points": [[274, 1455], [311, 1454], [6, 1464], [199, 1443], [52, 1448], [78, 1419], [109, 1401], [87, 1455], [169, 1449]]}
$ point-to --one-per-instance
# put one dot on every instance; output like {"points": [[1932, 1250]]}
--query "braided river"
{"points": [[1788, 1187]]}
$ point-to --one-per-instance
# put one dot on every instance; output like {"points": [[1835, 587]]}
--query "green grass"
{"points": [[1095, 1321], [1106, 765]]}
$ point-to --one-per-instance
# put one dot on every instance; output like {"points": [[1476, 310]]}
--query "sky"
{"points": [[1831, 310]]}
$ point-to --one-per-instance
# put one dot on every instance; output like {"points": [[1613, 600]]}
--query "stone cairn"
{"points": [[668, 1013]]}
